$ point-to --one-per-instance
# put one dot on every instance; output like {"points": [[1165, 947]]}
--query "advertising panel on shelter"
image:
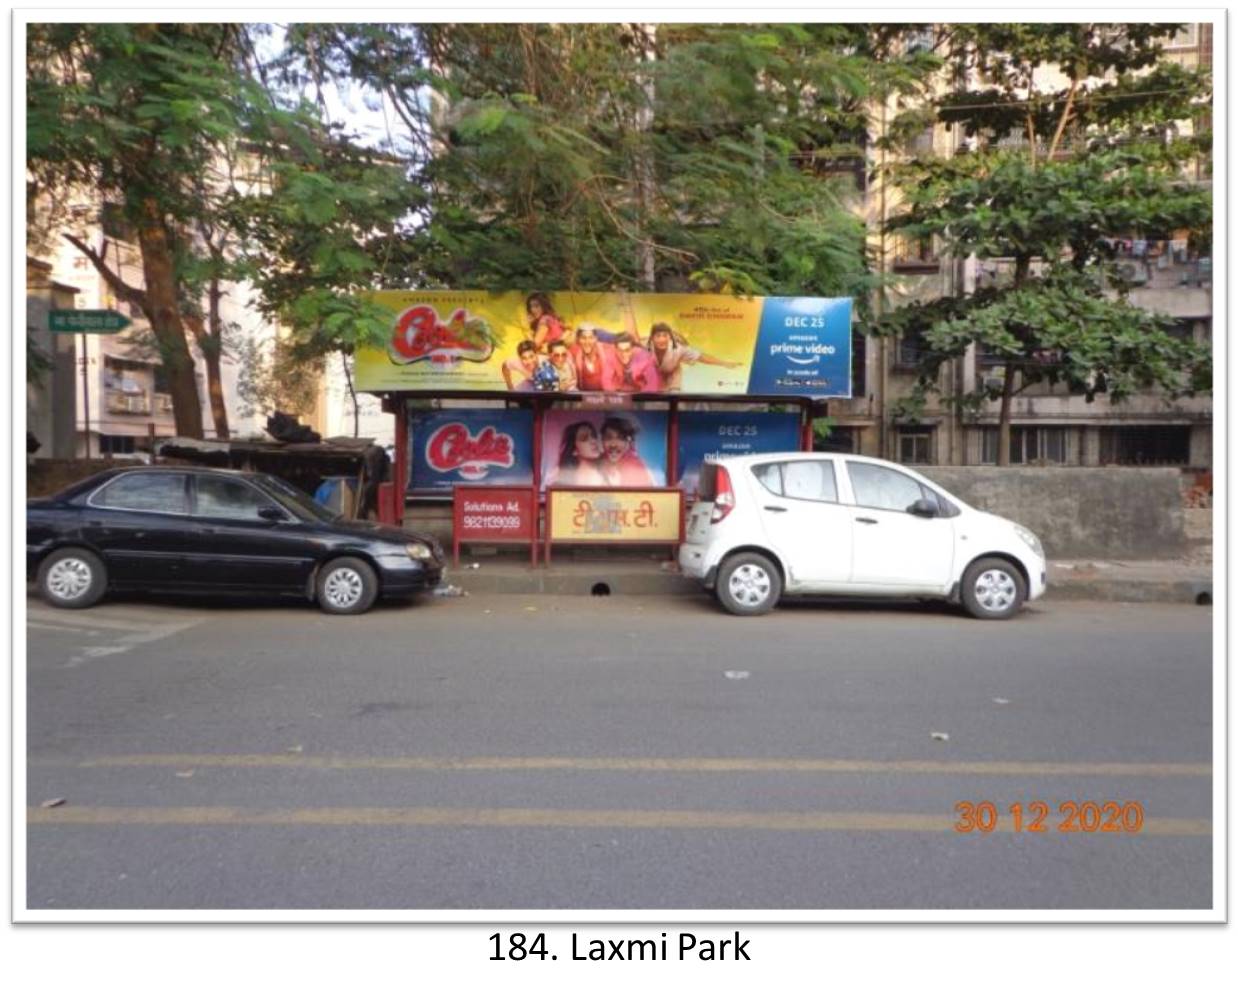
{"points": [[719, 434], [615, 516], [477, 446], [604, 449], [574, 342]]}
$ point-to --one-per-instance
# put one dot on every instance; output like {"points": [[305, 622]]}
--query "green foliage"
{"points": [[588, 155], [1103, 159]]}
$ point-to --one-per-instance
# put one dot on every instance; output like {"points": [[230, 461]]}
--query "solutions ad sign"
{"points": [[652, 344], [719, 434], [470, 447]]}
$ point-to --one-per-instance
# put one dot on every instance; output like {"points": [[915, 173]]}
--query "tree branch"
{"points": [[123, 291], [1061, 125]]}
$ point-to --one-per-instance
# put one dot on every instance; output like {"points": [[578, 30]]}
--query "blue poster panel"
{"points": [[622, 449], [470, 446], [719, 434], [803, 347]]}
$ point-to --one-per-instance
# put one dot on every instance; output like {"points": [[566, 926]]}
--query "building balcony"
{"points": [[128, 402]]}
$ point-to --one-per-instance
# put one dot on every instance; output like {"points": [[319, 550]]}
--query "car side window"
{"points": [[809, 480], [881, 487], [138, 492], [227, 498]]}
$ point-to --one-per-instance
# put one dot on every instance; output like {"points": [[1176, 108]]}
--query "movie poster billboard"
{"points": [[625, 449], [576, 342], [473, 446], [719, 434]]}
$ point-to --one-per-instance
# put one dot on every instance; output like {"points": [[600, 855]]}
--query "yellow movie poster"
{"points": [[577, 342]]}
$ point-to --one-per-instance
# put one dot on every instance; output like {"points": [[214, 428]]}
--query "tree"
{"points": [[602, 156], [136, 113], [1052, 178]]}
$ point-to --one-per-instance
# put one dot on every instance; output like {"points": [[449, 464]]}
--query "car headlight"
{"points": [[419, 551], [1030, 538]]}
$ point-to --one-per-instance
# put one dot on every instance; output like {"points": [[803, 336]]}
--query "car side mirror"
{"points": [[923, 507], [272, 513]]}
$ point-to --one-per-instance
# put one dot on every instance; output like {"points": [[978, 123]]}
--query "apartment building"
{"points": [[1050, 425]]}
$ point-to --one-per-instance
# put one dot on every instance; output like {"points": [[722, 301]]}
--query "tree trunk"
{"points": [[1022, 269], [646, 265], [352, 393], [1003, 423], [212, 351], [163, 311]]}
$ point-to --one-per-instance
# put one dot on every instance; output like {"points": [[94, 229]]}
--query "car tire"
{"points": [[346, 586], [749, 584], [993, 589], [72, 578]]}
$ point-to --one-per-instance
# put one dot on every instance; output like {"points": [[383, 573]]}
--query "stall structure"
{"points": [[346, 474], [604, 394]]}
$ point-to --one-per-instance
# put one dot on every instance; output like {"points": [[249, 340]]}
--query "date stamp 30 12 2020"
{"points": [[1073, 816]]}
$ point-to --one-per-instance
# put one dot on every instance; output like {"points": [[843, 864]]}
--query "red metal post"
{"points": [[806, 427], [538, 419], [672, 445], [400, 470]]}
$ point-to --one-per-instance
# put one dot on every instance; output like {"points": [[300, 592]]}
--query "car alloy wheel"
{"points": [[69, 578], [996, 590], [749, 585], [343, 588]]}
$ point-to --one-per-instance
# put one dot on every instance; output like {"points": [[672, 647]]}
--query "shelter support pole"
{"points": [[400, 470]]}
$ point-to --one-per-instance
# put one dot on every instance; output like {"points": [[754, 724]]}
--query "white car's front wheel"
{"points": [[748, 584], [993, 589]]}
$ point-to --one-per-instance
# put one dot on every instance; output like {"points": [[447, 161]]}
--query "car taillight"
{"points": [[724, 497]]}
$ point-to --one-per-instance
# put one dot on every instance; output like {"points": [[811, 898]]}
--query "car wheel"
{"points": [[749, 584], [72, 578], [993, 589], [347, 587]]}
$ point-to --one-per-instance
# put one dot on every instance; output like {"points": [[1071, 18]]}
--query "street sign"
{"points": [[97, 321]]}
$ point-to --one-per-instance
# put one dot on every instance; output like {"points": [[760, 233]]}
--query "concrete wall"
{"points": [[1118, 513]]}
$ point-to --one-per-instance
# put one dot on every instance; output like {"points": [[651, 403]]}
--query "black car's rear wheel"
{"points": [[72, 578], [347, 586]]}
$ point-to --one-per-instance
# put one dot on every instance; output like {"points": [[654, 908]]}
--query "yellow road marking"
{"points": [[629, 819], [652, 764]]}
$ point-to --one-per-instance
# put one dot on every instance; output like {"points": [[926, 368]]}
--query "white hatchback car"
{"points": [[771, 524]]}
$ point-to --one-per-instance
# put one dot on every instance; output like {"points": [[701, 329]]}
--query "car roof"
{"points": [[742, 460]]}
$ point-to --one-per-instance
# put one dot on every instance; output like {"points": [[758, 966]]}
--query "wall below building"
{"points": [[1130, 513]]}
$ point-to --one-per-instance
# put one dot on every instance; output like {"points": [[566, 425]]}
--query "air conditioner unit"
{"points": [[1132, 273]]}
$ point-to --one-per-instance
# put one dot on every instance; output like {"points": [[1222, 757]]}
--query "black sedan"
{"points": [[182, 529]]}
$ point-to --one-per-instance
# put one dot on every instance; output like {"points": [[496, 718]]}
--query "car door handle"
{"points": [[775, 508], [867, 522]]}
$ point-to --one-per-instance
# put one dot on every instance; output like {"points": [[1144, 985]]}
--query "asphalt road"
{"points": [[531, 753]]}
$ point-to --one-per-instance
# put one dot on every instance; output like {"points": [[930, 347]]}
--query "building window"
{"points": [[117, 445], [915, 446], [912, 254], [859, 361], [1146, 445], [842, 439], [911, 350], [1028, 445]]}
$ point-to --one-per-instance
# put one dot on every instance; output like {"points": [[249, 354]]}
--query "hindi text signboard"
{"points": [[613, 515]]}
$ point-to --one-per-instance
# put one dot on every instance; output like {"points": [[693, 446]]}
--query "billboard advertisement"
{"points": [[718, 434], [614, 516], [573, 342], [477, 446], [604, 449]]}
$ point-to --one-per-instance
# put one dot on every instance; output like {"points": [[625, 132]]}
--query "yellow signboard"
{"points": [[597, 342], [614, 516]]}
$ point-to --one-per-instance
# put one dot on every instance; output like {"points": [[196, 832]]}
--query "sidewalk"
{"points": [[1109, 580]]}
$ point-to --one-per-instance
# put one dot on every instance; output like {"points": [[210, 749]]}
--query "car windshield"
{"points": [[296, 499]]}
